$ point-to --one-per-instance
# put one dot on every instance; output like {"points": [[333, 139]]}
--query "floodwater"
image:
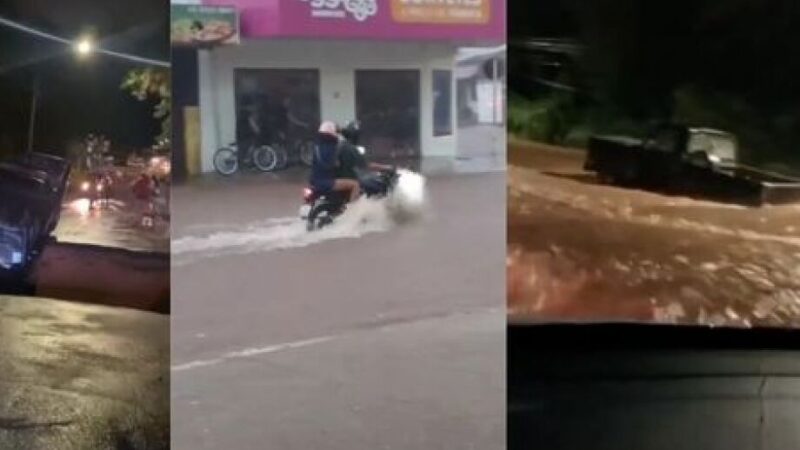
{"points": [[583, 251], [365, 216]]}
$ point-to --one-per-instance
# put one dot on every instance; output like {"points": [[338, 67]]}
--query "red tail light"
{"points": [[307, 194]]}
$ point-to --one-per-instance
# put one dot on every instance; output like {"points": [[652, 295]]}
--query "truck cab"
{"points": [[701, 146], [663, 156]]}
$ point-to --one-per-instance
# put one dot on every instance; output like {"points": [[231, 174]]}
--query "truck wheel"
{"points": [[605, 178], [630, 175]]}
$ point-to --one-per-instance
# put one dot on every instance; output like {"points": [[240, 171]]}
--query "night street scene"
{"points": [[654, 162], [85, 166], [302, 324]]}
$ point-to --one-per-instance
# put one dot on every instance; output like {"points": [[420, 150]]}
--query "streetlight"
{"points": [[84, 46]]}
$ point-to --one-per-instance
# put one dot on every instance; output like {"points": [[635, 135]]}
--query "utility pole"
{"points": [[34, 104]]}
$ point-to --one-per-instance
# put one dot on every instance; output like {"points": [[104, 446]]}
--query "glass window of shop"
{"points": [[388, 107], [277, 106]]}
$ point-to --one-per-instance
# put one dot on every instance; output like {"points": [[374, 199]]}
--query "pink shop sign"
{"points": [[473, 20]]}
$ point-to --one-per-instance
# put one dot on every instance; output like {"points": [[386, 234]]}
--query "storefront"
{"points": [[388, 63]]}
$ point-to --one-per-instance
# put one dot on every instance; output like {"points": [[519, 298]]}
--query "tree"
{"points": [[152, 84]]}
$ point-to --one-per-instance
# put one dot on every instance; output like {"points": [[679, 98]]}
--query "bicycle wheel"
{"points": [[306, 150], [283, 157], [226, 161], [265, 158]]}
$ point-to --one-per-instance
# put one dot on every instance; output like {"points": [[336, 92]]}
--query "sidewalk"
{"points": [[104, 276]]}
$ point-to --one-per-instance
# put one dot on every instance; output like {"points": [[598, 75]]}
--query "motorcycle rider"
{"points": [[324, 177], [89, 152], [352, 163]]}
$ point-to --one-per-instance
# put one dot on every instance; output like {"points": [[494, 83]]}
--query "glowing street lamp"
{"points": [[84, 46]]}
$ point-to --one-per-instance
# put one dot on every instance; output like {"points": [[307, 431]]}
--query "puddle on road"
{"points": [[362, 217]]}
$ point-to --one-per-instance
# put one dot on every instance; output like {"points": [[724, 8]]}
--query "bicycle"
{"points": [[263, 157], [299, 150]]}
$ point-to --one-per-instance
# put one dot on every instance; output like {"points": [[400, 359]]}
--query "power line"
{"points": [[52, 37]]}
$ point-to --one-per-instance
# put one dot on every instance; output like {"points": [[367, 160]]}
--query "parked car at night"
{"points": [[57, 170], [32, 189]]}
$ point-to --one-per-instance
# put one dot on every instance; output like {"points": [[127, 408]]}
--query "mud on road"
{"points": [[579, 250]]}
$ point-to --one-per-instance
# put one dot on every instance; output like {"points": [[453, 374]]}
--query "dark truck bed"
{"points": [[628, 161], [769, 187]]}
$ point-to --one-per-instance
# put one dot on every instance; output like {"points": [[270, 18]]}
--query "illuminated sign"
{"points": [[441, 11], [198, 25]]}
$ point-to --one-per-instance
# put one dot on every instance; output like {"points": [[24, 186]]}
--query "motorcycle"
{"points": [[97, 190], [320, 209]]}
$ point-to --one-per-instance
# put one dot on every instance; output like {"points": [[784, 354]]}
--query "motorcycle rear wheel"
{"points": [[320, 216]]}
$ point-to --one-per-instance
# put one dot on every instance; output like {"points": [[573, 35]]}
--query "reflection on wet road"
{"points": [[580, 250], [118, 224], [76, 377]]}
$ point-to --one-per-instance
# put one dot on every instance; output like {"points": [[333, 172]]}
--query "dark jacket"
{"points": [[352, 163], [325, 162]]}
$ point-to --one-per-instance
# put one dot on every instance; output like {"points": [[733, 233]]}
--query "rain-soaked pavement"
{"points": [[579, 250], [376, 335], [75, 377]]}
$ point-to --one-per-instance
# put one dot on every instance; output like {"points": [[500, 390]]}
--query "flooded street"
{"points": [[312, 325], [579, 250]]}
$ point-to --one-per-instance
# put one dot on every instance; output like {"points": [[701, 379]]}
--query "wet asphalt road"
{"points": [[75, 377], [579, 250], [393, 339]]}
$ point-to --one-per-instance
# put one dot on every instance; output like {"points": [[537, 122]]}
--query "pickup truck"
{"points": [[690, 161], [32, 188]]}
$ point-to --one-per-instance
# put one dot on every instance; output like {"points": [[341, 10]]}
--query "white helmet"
{"points": [[329, 128]]}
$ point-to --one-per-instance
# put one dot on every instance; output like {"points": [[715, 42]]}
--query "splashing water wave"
{"points": [[408, 202]]}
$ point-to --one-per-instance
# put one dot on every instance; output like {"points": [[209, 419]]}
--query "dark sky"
{"points": [[78, 96], [747, 48], [544, 18]]}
